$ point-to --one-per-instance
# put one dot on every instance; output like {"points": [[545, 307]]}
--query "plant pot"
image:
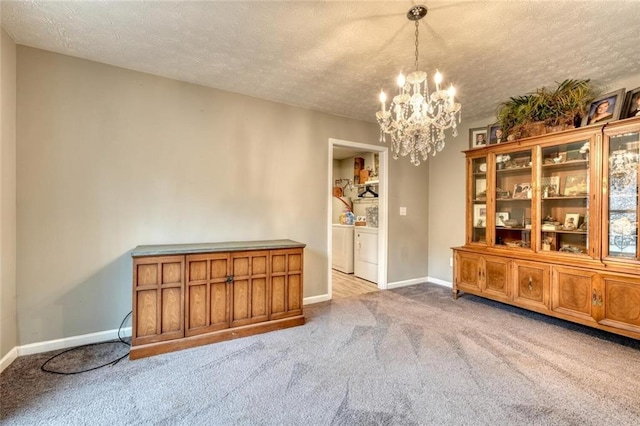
{"points": [[559, 128], [533, 129]]}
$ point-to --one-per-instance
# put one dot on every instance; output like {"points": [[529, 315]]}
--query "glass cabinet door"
{"points": [[479, 200], [564, 198], [513, 195], [621, 216]]}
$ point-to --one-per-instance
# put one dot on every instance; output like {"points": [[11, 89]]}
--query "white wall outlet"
{"points": [[403, 211], [451, 262]]}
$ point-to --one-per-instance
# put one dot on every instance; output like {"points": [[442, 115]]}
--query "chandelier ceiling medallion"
{"points": [[416, 119]]}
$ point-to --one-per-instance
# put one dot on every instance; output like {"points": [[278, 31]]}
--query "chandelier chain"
{"points": [[417, 45]]}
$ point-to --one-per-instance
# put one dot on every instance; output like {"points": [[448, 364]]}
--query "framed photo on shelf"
{"points": [[495, 134], [571, 221], [631, 104], [477, 137], [480, 215], [501, 217], [604, 109], [522, 190], [550, 186], [481, 187], [575, 185]]}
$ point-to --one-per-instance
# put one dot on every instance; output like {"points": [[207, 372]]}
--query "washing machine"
{"points": [[342, 250]]}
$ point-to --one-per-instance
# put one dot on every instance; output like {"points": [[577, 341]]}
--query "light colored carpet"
{"points": [[407, 356]]}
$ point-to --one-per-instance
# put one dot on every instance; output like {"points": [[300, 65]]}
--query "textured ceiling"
{"points": [[335, 56]]}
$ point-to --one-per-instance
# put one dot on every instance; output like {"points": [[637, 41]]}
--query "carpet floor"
{"points": [[409, 356]]}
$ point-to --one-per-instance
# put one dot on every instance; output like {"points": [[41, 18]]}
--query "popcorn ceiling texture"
{"points": [[336, 56]]}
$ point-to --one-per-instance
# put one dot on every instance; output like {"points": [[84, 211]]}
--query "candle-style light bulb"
{"points": [[452, 94], [401, 80], [438, 79], [383, 99]]}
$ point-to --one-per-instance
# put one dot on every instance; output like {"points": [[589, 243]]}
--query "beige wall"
{"points": [[8, 324], [447, 186], [110, 158], [408, 235]]}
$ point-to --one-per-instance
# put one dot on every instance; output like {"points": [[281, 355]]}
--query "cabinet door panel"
{"points": [[171, 310], [158, 299], [220, 305], [251, 287], [295, 292], [258, 297], [496, 277], [208, 292], [147, 309], [468, 271], [197, 306], [278, 294], [572, 292], [531, 285], [240, 300], [286, 283], [622, 303]]}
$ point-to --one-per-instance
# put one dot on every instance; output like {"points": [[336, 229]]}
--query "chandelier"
{"points": [[416, 119]]}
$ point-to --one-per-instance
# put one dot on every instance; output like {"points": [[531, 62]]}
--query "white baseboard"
{"points": [[316, 299], [440, 282], [69, 342], [398, 284], [8, 358]]}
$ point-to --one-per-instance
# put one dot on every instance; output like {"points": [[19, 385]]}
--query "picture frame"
{"points": [[571, 221], [480, 215], [550, 186], [481, 187], [495, 135], [631, 104], [521, 190], [477, 137], [501, 217], [598, 113], [576, 186]]}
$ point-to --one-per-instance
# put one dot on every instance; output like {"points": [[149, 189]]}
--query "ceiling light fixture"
{"points": [[416, 119]]}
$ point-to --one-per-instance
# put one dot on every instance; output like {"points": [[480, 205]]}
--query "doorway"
{"points": [[340, 149]]}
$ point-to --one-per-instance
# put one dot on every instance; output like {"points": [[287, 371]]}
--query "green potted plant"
{"points": [[546, 111]]}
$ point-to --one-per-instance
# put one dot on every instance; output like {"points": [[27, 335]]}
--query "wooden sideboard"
{"points": [[187, 295]]}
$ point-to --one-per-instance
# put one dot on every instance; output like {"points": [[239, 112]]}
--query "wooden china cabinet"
{"points": [[552, 226]]}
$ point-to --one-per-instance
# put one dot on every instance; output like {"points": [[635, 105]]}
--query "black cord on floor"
{"points": [[120, 340]]}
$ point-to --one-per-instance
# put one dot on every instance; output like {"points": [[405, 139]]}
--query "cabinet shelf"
{"points": [[561, 231], [575, 164], [569, 197], [514, 170]]}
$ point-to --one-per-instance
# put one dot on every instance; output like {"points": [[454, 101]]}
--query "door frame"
{"points": [[383, 204]]}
